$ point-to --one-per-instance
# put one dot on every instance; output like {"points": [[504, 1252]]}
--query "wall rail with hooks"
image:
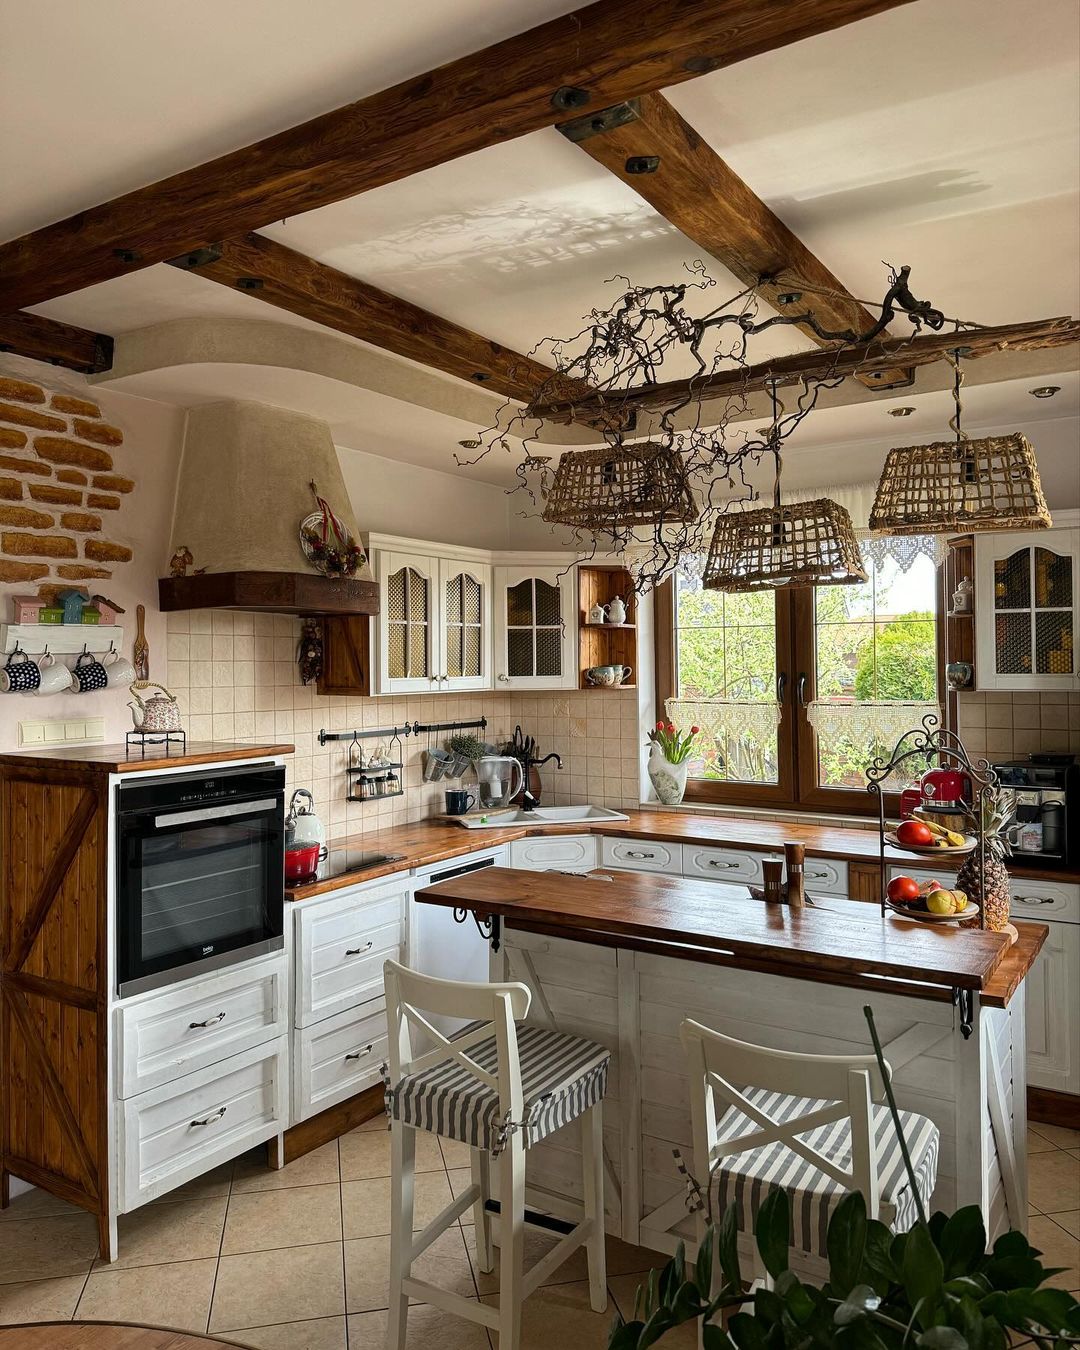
{"points": [[407, 729], [62, 639]]}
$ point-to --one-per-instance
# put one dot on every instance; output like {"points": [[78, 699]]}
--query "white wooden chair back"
{"points": [[495, 1007], [850, 1083]]}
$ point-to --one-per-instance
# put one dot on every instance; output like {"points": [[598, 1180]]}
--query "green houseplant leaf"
{"points": [[845, 1243], [772, 1231]]}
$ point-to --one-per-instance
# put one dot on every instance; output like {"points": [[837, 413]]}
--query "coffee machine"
{"points": [[1045, 789]]}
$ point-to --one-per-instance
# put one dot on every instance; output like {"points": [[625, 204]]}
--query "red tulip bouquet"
{"points": [[669, 755]]}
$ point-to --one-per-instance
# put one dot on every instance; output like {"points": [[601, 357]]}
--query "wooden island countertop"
{"points": [[835, 941]]}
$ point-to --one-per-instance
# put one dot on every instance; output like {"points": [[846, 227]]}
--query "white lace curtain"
{"points": [[726, 718]]}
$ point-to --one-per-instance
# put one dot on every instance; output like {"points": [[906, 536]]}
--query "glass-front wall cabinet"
{"points": [[535, 629], [1027, 604], [409, 623]]}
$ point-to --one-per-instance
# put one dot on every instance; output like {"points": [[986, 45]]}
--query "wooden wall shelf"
{"points": [[606, 644]]}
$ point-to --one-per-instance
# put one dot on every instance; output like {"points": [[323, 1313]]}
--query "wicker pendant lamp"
{"points": [[961, 485], [612, 489], [782, 547]]}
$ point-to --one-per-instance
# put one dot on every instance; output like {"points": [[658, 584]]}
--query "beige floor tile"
{"points": [[375, 1123], [559, 1315], [1060, 1135], [37, 1204], [623, 1289], [324, 1333], [1036, 1142], [41, 1249], [427, 1327], [175, 1295], [366, 1154], [291, 1284], [367, 1269], [158, 1234], [1053, 1181], [455, 1153], [366, 1204], [294, 1216], [1069, 1220], [622, 1259], [317, 1168], [1058, 1248], [40, 1300], [460, 1179], [210, 1184]]}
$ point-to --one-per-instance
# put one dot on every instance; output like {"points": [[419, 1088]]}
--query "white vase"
{"points": [[668, 780]]}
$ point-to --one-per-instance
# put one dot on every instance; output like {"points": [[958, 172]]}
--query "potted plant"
{"points": [[669, 761], [466, 750]]}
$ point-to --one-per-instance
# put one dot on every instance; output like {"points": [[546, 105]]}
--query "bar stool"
{"points": [[811, 1124], [500, 1088]]}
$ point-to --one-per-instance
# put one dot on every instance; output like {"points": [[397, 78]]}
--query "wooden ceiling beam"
{"points": [[280, 276], [1040, 334], [61, 344], [652, 149], [594, 57]]}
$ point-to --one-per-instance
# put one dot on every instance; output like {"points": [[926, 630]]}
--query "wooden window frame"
{"points": [[797, 788]]}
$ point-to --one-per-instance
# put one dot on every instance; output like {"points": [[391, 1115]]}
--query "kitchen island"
{"points": [[622, 958]]}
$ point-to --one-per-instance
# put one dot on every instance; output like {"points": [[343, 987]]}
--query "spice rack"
{"points": [[376, 775]]}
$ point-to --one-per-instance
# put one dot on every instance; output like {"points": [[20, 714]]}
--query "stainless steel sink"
{"points": [[542, 815]]}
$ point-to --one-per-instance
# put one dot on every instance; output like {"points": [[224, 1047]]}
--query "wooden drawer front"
{"points": [[576, 853], [1034, 899], [722, 864], [337, 1058], [180, 1130], [642, 855], [826, 876], [343, 944], [198, 1024]]}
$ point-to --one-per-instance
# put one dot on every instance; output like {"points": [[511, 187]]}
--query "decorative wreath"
{"points": [[327, 544]]}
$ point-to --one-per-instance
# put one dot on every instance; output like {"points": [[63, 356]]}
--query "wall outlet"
{"points": [[62, 731]]}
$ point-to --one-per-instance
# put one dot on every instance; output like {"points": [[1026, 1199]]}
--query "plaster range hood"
{"points": [[242, 490]]}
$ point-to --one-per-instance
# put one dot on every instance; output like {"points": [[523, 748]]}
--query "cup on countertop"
{"points": [[90, 675], [459, 802], [20, 676], [119, 672], [55, 677]]}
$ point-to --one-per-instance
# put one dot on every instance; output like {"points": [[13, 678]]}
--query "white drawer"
{"points": [[180, 1130], [826, 876], [1036, 899], [337, 1058], [576, 853], [641, 855], [721, 864], [199, 1023], [341, 946]]}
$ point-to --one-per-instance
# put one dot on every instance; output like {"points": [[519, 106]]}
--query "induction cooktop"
{"points": [[342, 861]]}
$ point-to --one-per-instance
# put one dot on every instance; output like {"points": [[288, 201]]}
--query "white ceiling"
{"points": [[944, 136]]}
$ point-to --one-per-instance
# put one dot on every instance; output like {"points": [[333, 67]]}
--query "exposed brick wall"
{"points": [[55, 481]]}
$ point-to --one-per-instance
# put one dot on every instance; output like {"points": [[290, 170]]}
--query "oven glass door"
{"points": [[197, 884]]}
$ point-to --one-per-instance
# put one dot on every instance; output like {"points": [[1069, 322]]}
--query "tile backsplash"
{"points": [[1013, 724], [236, 678]]}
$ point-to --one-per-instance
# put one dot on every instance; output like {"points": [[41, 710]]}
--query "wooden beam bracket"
{"points": [[198, 257], [595, 124]]}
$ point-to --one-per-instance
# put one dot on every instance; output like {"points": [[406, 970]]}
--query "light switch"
{"points": [[74, 731], [31, 733], [55, 733]]}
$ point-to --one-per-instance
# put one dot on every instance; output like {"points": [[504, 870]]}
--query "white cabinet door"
{"points": [[409, 653], [535, 628], [641, 855], [558, 853], [464, 621], [1053, 1012], [1027, 602]]}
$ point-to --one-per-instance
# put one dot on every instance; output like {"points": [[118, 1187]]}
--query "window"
{"points": [[796, 692]]}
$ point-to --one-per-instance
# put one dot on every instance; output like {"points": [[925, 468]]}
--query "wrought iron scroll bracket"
{"points": [[964, 999], [489, 926]]}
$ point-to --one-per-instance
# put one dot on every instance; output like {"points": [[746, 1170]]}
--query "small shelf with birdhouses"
{"points": [[606, 637]]}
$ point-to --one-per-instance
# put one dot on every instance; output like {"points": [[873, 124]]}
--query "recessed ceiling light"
{"points": [[1045, 391], [900, 412]]}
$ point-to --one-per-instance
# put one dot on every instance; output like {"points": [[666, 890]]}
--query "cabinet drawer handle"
{"points": [[359, 1054], [639, 853], [817, 874], [1035, 899], [214, 1115], [717, 862], [357, 951], [210, 1021]]}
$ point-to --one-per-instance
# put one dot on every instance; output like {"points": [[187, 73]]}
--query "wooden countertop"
{"points": [[118, 759], [837, 938], [430, 841]]}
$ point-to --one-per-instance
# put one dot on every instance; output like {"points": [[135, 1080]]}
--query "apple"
{"points": [[940, 902], [903, 890], [914, 832]]}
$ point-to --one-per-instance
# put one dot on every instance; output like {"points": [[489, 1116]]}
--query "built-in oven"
{"points": [[200, 877]]}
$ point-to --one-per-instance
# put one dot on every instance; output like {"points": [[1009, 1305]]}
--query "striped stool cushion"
{"points": [[744, 1179], [561, 1076]]}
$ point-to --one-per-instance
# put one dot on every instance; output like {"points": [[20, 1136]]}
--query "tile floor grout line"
{"points": [[344, 1268], [221, 1243]]}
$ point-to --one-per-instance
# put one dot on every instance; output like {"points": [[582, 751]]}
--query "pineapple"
{"points": [[990, 890]]}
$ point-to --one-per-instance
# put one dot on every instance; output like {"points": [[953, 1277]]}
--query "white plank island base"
{"points": [[622, 958]]}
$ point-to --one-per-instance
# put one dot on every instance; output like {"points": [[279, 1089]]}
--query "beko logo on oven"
{"points": [[207, 950]]}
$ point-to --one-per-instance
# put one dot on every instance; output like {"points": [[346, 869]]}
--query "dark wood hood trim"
{"points": [[277, 592]]}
